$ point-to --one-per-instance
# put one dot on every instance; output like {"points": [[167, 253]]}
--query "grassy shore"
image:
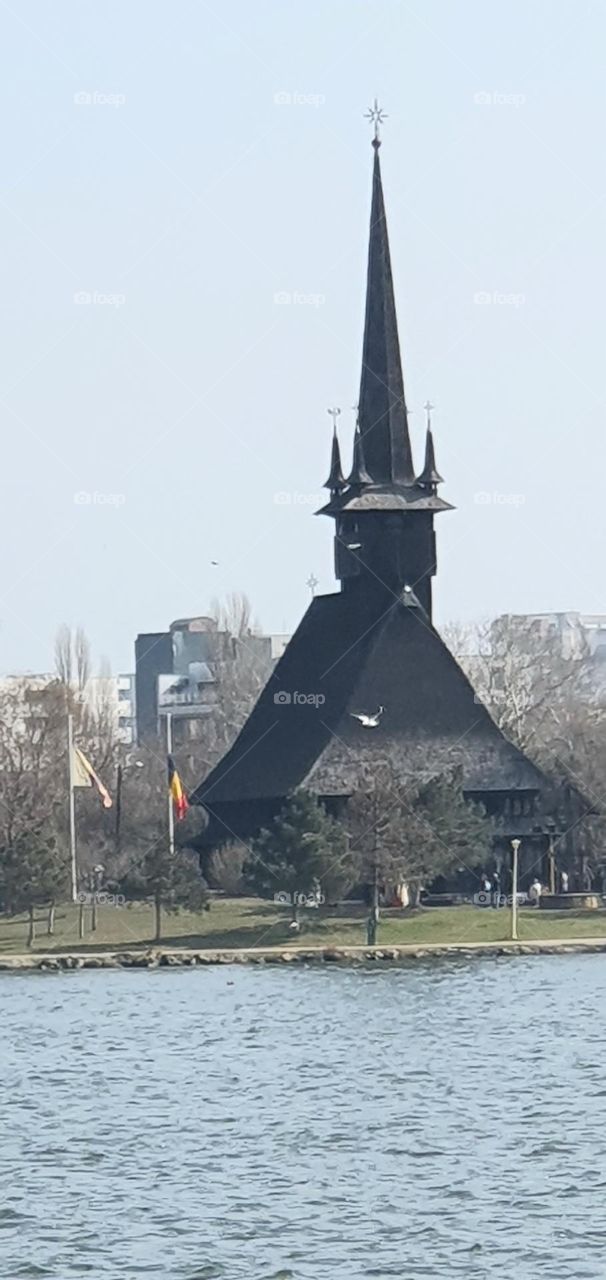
{"points": [[249, 922]]}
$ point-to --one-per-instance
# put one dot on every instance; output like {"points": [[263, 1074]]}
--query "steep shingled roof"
{"points": [[356, 661]]}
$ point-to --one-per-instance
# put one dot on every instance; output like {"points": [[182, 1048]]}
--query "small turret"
{"points": [[336, 479], [358, 475], [430, 477]]}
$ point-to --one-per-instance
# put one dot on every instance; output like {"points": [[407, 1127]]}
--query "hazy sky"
{"points": [[171, 173]]}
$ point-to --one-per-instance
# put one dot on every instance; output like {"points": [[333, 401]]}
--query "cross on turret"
{"points": [[376, 115], [430, 477], [336, 479], [334, 414]]}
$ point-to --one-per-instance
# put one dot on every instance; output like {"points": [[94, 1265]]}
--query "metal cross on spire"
{"points": [[312, 581], [334, 413], [376, 115], [428, 406]]}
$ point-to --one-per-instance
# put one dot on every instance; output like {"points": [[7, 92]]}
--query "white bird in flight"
{"points": [[369, 722]]}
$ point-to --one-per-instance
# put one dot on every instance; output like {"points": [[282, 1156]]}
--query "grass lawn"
{"points": [[250, 922]]}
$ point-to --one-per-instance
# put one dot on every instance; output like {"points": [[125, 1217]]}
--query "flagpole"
{"points": [[171, 811], [72, 808]]}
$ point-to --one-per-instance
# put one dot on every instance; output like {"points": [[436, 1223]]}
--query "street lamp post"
{"points": [[118, 811], [373, 916], [551, 858], [96, 880], [515, 844], [171, 810], [120, 774]]}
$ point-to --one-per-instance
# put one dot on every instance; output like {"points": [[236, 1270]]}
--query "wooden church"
{"points": [[366, 675]]}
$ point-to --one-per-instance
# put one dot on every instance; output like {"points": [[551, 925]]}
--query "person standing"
{"points": [[587, 877], [535, 891], [485, 892], [564, 882]]}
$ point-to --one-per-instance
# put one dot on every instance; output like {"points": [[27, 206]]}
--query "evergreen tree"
{"points": [[461, 832], [410, 831], [172, 880], [33, 873], [302, 850]]}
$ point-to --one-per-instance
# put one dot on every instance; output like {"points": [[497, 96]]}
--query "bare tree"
{"points": [[64, 657], [520, 672], [234, 615], [242, 665], [81, 649], [410, 829], [543, 691], [226, 868], [34, 854]]}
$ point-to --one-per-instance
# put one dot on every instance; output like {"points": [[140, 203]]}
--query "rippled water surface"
{"points": [[443, 1120]]}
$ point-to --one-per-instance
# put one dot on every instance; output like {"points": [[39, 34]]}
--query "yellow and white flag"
{"points": [[83, 775]]}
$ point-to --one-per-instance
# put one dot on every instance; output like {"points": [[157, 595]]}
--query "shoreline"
{"points": [[187, 957]]}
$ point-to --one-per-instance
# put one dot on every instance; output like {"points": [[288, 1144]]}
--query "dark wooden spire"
{"points": [[336, 479], [359, 475], [430, 476], [383, 415]]}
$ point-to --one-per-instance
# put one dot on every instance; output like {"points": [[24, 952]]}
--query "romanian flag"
{"points": [[83, 775], [175, 787]]}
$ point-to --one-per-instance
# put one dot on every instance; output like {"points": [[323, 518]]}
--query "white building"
{"points": [[111, 695]]}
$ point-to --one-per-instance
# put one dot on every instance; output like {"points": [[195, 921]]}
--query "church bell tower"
{"points": [[383, 511]]}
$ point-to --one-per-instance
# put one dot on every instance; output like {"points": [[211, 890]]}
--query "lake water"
{"points": [[447, 1119]]}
